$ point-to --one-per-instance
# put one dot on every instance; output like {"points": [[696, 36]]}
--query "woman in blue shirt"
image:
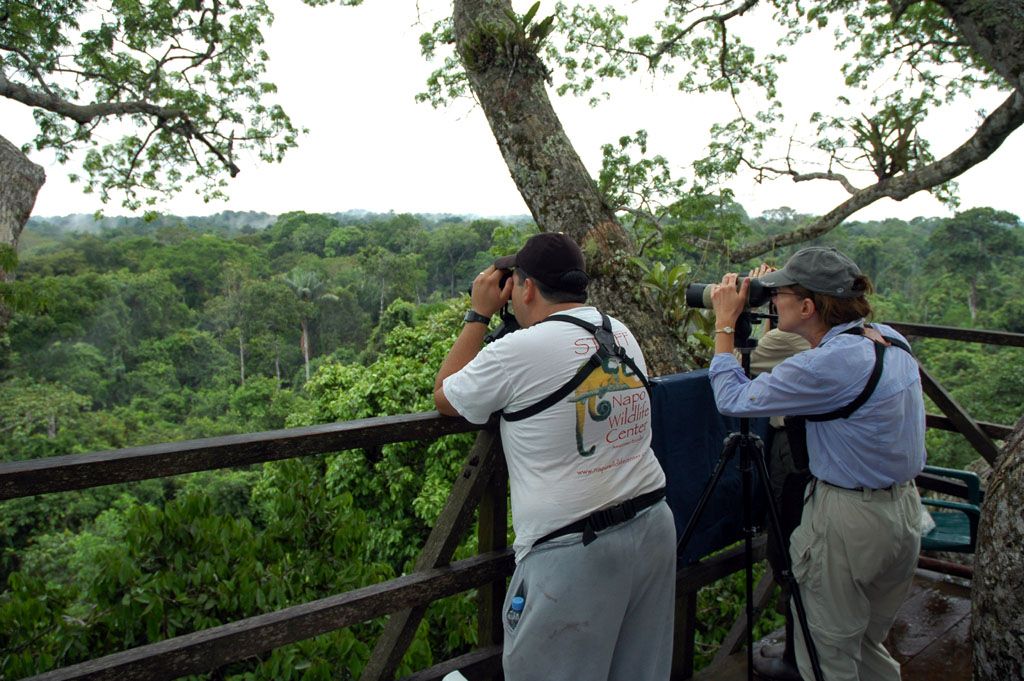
{"points": [[855, 551]]}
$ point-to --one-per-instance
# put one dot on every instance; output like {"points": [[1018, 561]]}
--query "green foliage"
{"points": [[155, 95], [668, 285]]}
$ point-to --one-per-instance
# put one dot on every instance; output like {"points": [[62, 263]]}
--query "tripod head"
{"points": [[744, 343]]}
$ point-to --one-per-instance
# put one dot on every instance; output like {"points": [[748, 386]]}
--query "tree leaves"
{"points": [[186, 80]]}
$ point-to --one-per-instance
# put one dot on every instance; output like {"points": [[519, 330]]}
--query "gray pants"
{"points": [[601, 611]]}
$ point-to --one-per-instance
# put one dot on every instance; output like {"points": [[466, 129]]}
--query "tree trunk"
{"points": [[22, 180], [997, 616], [972, 301], [305, 346], [995, 29], [508, 80], [241, 357]]}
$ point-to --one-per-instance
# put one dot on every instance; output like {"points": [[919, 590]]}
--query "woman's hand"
{"points": [[728, 302], [759, 271]]}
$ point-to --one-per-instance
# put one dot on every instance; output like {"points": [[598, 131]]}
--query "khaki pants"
{"points": [[854, 555]]}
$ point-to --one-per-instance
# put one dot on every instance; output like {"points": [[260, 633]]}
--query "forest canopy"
{"points": [[151, 331]]}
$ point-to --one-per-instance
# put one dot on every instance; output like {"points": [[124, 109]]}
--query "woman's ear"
{"points": [[807, 308]]}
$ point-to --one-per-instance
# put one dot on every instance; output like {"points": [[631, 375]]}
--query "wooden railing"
{"points": [[481, 485]]}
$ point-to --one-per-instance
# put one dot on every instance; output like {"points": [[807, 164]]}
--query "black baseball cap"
{"points": [[553, 259], [820, 269]]}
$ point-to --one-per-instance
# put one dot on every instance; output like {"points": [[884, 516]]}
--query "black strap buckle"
{"points": [[606, 346], [607, 517]]}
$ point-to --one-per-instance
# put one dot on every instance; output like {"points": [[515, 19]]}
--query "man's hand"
{"points": [[487, 297]]}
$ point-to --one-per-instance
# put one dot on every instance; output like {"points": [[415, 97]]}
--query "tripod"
{"points": [[751, 451]]}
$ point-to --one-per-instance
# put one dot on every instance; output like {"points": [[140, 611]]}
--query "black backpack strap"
{"points": [[796, 426], [606, 348], [869, 387], [858, 402]]}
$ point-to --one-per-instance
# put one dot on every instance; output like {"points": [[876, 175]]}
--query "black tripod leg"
{"points": [[728, 449], [746, 471], [775, 533]]}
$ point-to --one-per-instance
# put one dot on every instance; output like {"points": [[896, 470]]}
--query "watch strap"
{"points": [[474, 316]]}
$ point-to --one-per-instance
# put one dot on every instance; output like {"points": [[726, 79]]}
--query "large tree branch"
{"points": [[172, 119], [988, 137], [82, 113]]}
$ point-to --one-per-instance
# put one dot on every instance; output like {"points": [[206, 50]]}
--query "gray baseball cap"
{"points": [[820, 269]]}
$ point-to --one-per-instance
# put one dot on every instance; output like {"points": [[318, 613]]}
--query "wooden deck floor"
{"points": [[931, 636]]}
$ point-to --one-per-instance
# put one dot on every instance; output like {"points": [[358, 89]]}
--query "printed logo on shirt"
{"points": [[611, 404]]}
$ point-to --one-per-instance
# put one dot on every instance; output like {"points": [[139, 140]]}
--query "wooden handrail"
{"points": [[79, 471], [958, 334], [996, 430]]}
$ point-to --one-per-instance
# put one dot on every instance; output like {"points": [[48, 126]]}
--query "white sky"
{"points": [[350, 74]]}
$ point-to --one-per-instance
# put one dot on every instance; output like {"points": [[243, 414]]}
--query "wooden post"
{"points": [[683, 636], [963, 421], [733, 641], [451, 525], [492, 535]]}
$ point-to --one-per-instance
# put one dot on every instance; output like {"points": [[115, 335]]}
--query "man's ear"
{"points": [[529, 290]]}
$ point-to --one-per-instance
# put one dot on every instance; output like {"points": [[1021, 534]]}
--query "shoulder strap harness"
{"points": [[796, 427], [607, 348]]}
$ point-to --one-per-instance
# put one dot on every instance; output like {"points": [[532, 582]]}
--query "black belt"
{"points": [[848, 489], [606, 517], [861, 489]]}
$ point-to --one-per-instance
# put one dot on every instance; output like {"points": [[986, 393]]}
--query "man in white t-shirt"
{"points": [[595, 540]]}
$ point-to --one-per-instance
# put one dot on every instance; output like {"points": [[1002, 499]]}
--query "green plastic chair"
{"points": [[956, 523]]}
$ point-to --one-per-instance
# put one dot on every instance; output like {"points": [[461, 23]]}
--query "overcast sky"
{"points": [[350, 74]]}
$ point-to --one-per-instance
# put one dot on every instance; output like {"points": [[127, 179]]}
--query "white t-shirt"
{"points": [[590, 451]]}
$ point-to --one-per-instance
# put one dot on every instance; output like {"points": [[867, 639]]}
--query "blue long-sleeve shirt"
{"points": [[880, 444]]}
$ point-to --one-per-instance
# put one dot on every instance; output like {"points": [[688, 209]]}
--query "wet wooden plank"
{"points": [[947, 658], [965, 423], [933, 607], [451, 525], [477, 665]]}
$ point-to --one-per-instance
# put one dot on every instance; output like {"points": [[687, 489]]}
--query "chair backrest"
{"points": [[975, 494], [956, 523]]}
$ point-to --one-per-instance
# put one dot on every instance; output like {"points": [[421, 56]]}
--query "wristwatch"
{"points": [[725, 329], [474, 316]]}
